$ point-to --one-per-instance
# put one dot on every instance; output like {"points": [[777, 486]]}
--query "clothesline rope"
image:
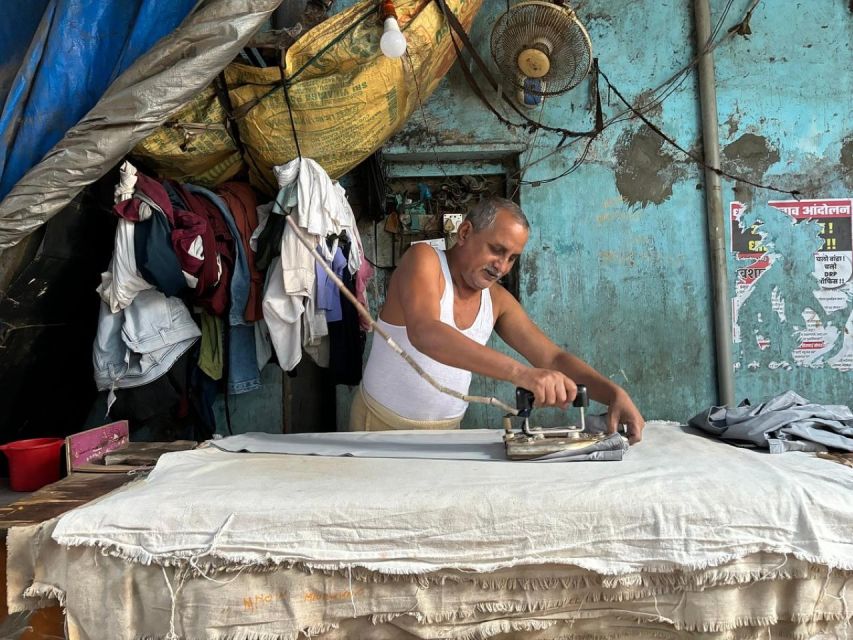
{"points": [[284, 83]]}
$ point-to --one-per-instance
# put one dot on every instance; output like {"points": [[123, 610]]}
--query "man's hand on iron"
{"points": [[550, 388], [621, 410]]}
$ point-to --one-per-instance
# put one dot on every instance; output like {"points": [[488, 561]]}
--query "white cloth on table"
{"points": [[679, 501]]}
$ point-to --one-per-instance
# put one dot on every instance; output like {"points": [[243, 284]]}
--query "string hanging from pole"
{"points": [[284, 86]]}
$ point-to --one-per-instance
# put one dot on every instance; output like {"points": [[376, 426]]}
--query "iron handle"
{"points": [[582, 397]]}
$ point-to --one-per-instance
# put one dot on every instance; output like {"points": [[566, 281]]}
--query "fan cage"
{"points": [[542, 25]]}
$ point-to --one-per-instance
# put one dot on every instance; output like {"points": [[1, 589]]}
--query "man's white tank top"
{"points": [[393, 383]]}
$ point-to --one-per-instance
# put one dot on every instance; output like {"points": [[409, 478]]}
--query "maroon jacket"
{"points": [[214, 272], [243, 203], [153, 190]]}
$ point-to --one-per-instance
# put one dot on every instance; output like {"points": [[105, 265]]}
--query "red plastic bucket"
{"points": [[32, 463]]}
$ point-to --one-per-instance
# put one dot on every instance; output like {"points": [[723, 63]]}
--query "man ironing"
{"points": [[441, 308]]}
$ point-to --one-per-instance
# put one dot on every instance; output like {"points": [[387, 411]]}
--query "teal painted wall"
{"points": [[617, 266], [785, 114]]}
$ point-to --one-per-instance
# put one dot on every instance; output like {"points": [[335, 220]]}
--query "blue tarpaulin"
{"points": [[65, 61], [15, 37]]}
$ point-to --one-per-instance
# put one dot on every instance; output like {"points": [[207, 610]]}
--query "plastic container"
{"points": [[33, 463]]}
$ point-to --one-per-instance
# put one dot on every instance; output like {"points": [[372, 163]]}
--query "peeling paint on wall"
{"points": [[531, 272], [750, 156], [733, 122], [645, 171]]}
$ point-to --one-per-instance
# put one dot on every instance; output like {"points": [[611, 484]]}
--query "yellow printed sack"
{"points": [[347, 98]]}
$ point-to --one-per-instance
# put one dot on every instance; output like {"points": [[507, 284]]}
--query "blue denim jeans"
{"points": [[243, 373]]}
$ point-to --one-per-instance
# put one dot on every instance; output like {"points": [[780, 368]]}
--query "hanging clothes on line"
{"points": [[319, 207], [141, 342], [155, 257], [322, 204], [144, 330], [220, 267], [328, 296], [121, 281], [188, 252], [192, 238]]}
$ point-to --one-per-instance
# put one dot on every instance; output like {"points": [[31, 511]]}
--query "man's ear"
{"points": [[464, 232]]}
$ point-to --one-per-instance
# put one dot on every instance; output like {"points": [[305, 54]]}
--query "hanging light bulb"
{"points": [[393, 42]]}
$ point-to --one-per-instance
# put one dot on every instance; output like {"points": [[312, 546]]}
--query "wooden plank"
{"points": [[145, 454], [48, 502], [83, 449], [59, 497]]}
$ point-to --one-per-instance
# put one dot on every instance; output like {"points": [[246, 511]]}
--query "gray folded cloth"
{"points": [[787, 422]]}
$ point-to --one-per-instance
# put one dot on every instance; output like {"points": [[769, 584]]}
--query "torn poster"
{"points": [[794, 283]]}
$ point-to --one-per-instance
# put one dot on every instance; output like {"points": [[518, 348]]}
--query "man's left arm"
{"points": [[516, 328]]}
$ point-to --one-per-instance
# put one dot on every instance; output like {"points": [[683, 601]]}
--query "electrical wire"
{"points": [[676, 79], [376, 253], [670, 86], [530, 150], [574, 167], [423, 114], [674, 82], [792, 192]]}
